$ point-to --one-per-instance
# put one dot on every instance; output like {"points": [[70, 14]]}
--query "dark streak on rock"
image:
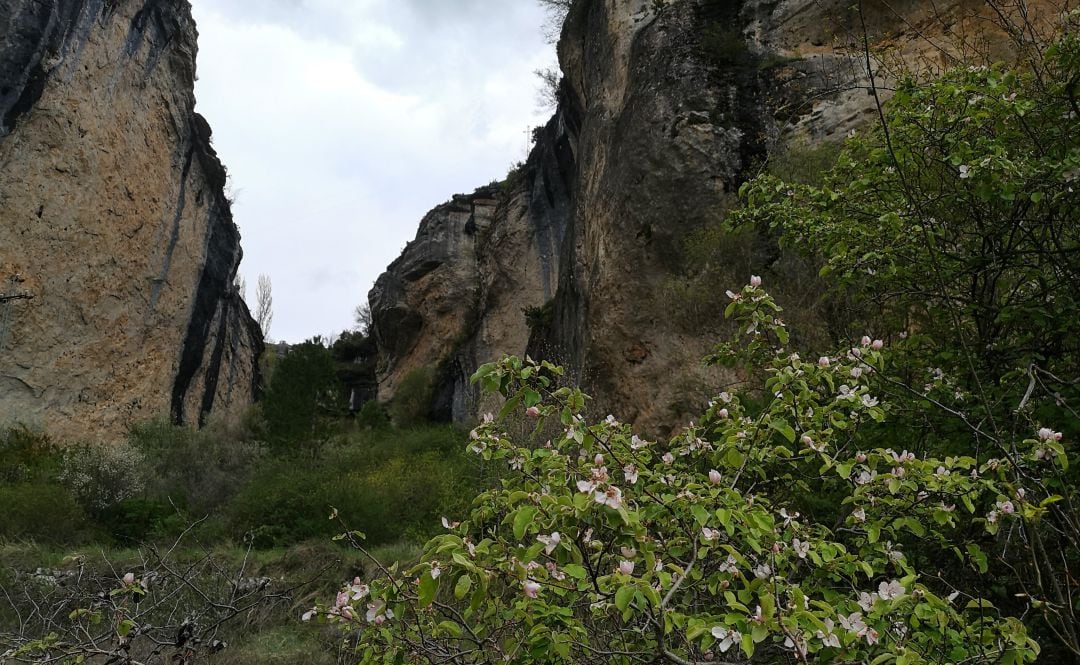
{"points": [[34, 36], [174, 237]]}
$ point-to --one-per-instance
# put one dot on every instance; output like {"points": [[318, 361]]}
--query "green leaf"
{"points": [[461, 589], [522, 520], [123, 629], [623, 597], [429, 586], [510, 405], [450, 628], [575, 571], [873, 532], [783, 428]]}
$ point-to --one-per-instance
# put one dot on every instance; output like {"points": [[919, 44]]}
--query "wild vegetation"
{"points": [[893, 486], [904, 497]]}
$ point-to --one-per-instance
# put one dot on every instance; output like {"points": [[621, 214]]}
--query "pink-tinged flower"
{"points": [[554, 571], [823, 361], [435, 570], [733, 295], [890, 590], [709, 534], [626, 567], [856, 372], [828, 637], [860, 457], [550, 542], [755, 281], [725, 637], [788, 517], [469, 546], [668, 458], [722, 414], [378, 613], [869, 402], [859, 514], [757, 617], [628, 552], [129, 578], [965, 172], [611, 497], [358, 589], [853, 623], [871, 636], [1006, 507], [899, 471], [715, 477], [488, 418], [992, 516], [531, 588], [797, 644], [630, 473], [763, 572], [800, 548], [637, 443], [517, 462], [866, 601], [306, 616], [347, 613], [586, 486], [342, 600], [877, 345], [598, 459], [1047, 434], [533, 412]]}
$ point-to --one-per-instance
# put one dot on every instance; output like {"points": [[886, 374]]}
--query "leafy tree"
{"points": [[603, 547], [953, 229], [303, 398]]}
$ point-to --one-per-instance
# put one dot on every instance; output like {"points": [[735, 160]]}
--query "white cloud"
{"points": [[341, 123]]}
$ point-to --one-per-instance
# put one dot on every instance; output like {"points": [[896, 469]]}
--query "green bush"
{"points": [[303, 398], [412, 401], [42, 512], [199, 471], [26, 455], [134, 521], [372, 415], [389, 484]]}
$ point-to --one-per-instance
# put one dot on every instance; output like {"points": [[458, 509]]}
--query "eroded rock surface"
{"points": [[114, 228], [662, 115]]}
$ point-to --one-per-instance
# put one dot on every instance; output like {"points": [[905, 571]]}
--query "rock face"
{"points": [[115, 233], [664, 112]]}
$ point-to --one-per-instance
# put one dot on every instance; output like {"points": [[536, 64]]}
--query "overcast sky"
{"points": [[341, 122]]}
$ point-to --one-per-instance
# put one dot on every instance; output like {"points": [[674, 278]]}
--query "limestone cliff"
{"points": [[665, 109], [117, 245]]}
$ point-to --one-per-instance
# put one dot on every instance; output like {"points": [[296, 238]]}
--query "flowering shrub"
{"points": [[602, 546], [102, 476]]}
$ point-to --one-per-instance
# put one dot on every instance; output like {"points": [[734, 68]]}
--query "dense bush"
{"points": [[198, 471], [388, 483], [411, 404], [303, 399], [42, 511]]}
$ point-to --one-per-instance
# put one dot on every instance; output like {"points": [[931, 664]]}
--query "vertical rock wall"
{"points": [[114, 227], [664, 112]]}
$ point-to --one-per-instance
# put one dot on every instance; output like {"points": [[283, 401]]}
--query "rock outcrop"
{"points": [[117, 245], [665, 109]]}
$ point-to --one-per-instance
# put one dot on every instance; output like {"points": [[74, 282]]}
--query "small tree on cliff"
{"points": [[264, 305]]}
